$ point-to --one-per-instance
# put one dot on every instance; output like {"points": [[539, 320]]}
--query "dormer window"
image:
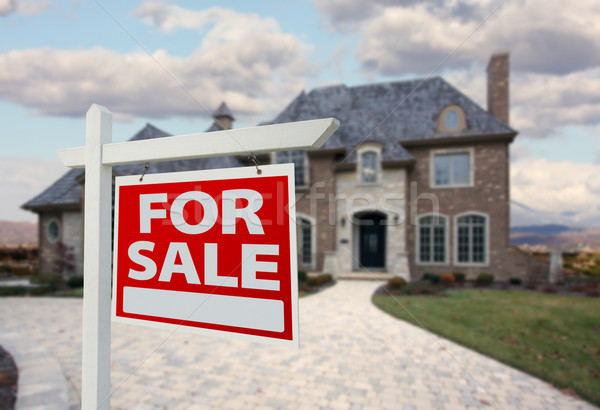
{"points": [[298, 158], [369, 167], [452, 119]]}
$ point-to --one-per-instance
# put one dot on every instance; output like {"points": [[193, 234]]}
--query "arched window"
{"points": [[298, 158], [471, 242], [432, 242], [368, 167]]}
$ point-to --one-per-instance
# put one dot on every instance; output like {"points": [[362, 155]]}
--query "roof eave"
{"points": [[509, 136]]}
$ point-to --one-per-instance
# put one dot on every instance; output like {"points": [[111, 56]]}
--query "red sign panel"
{"points": [[210, 252]]}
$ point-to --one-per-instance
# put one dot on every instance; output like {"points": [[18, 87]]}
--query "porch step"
{"points": [[374, 276]]}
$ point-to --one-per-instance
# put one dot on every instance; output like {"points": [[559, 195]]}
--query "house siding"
{"points": [[488, 195], [313, 201]]}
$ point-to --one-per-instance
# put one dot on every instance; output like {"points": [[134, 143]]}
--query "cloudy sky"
{"points": [[172, 63]]}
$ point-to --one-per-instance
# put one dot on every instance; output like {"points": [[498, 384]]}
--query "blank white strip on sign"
{"points": [[250, 313]]}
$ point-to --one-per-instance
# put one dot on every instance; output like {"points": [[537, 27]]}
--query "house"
{"points": [[415, 180]]}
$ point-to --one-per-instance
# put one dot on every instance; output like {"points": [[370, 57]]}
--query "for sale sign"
{"points": [[210, 252]]}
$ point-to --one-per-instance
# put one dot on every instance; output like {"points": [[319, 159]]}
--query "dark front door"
{"points": [[372, 241]]}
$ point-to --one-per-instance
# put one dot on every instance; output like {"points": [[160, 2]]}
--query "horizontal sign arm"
{"points": [[267, 138]]}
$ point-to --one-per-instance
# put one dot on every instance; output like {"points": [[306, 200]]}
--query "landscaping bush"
{"points": [[75, 282], [448, 278], [319, 280], [422, 288], [433, 278], [516, 281], [459, 277], [50, 281], [531, 286], [302, 276], [549, 289], [396, 283], [485, 279]]}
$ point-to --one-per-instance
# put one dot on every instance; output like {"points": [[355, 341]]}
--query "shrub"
{"points": [[448, 278], [549, 289], [485, 279], [46, 279], [319, 280], [459, 277], [421, 288], [302, 276], [75, 282], [516, 281], [434, 278], [531, 285], [396, 283], [592, 292]]}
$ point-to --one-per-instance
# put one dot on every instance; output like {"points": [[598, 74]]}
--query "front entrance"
{"points": [[371, 240]]}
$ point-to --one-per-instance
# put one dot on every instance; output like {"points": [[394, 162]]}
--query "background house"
{"points": [[415, 180]]}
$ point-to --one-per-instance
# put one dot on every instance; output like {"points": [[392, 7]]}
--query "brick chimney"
{"points": [[498, 86], [223, 117]]}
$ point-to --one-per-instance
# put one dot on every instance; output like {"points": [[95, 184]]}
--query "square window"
{"points": [[452, 169]]}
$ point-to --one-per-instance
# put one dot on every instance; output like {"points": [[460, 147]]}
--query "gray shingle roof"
{"points": [[66, 191], [389, 113], [223, 111]]}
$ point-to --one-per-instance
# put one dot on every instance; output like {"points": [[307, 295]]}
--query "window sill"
{"points": [[432, 263], [451, 186], [472, 264]]}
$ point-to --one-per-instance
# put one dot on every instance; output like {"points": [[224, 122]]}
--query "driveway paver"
{"points": [[352, 356]]}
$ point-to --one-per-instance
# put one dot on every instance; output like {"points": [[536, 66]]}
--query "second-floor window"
{"points": [[452, 169], [298, 158], [369, 167]]}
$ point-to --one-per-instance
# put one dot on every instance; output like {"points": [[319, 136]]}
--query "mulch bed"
{"points": [[8, 380]]}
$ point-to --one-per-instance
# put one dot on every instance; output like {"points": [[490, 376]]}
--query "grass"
{"points": [[554, 337]]}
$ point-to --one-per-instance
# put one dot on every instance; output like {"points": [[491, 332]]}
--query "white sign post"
{"points": [[98, 156]]}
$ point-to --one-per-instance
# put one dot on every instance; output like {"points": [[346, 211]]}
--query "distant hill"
{"points": [[18, 233], [550, 229], [555, 235]]}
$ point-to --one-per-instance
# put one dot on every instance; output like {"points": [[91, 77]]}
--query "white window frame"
{"points": [[363, 149], [446, 240], [313, 241], [305, 175], [436, 152], [486, 261]]}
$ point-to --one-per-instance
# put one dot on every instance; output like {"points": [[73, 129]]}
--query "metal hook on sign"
{"points": [[252, 158], [146, 167]]}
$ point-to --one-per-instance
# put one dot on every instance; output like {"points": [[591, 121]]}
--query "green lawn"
{"points": [[554, 337]]}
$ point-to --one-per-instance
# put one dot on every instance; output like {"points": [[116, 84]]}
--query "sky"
{"points": [[171, 63]]}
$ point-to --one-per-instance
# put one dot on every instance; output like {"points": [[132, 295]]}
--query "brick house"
{"points": [[415, 180]]}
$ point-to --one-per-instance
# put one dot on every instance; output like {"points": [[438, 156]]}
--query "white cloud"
{"points": [[33, 8], [254, 67], [398, 37], [22, 179], [568, 190], [540, 103], [7, 7], [27, 8]]}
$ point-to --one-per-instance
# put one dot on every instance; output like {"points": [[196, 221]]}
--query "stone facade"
{"points": [[62, 254], [386, 197]]}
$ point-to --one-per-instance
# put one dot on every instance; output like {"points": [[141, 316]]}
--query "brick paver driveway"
{"points": [[352, 356]]}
